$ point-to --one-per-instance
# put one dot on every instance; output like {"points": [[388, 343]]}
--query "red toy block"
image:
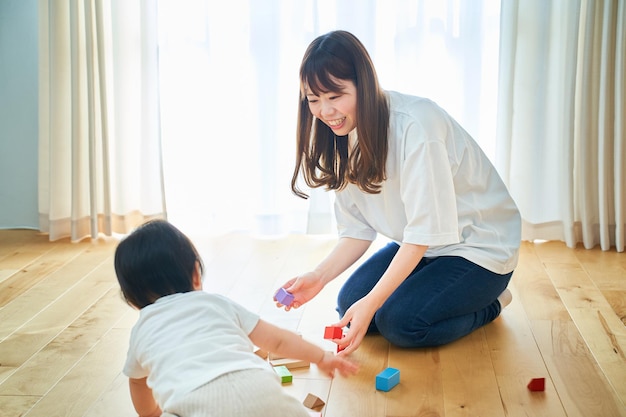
{"points": [[333, 332], [339, 348], [537, 384]]}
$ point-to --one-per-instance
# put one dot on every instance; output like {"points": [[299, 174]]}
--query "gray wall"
{"points": [[18, 113]]}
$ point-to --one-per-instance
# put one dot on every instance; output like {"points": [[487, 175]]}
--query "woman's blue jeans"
{"points": [[442, 300]]}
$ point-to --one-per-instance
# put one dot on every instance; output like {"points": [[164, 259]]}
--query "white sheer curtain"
{"points": [[561, 121], [99, 148], [229, 85]]}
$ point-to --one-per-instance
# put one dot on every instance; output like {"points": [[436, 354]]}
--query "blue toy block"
{"points": [[387, 379], [284, 297]]}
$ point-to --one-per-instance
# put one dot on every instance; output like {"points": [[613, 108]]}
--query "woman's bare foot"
{"points": [[505, 298]]}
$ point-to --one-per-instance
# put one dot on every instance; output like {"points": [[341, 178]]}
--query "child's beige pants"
{"points": [[253, 393]]}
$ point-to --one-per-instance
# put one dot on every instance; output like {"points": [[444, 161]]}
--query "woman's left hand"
{"points": [[359, 316]]}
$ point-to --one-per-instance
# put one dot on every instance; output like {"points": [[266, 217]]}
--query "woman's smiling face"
{"points": [[337, 109]]}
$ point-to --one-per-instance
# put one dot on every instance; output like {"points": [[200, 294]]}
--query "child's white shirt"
{"points": [[185, 340]]}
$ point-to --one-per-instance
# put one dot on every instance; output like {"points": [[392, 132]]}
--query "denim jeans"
{"points": [[442, 300]]}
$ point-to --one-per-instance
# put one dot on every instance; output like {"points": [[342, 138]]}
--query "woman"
{"points": [[403, 168]]}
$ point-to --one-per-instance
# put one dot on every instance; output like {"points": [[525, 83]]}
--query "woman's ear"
{"points": [[197, 278]]}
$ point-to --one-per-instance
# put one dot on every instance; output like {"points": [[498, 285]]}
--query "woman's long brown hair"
{"points": [[321, 157]]}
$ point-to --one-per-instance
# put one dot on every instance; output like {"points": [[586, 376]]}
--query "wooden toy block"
{"points": [[263, 354], [537, 384], [312, 401], [333, 332], [284, 374], [387, 379], [290, 363], [284, 297]]}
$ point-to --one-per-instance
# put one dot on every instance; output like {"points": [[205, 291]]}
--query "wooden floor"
{"points": [[64, 331]]}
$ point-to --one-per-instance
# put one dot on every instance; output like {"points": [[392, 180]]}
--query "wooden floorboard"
{"points": [[64, 331], [516, 359]]}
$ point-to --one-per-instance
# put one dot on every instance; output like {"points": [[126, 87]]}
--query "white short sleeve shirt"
{"points": [[441, 191], [185, 340]]}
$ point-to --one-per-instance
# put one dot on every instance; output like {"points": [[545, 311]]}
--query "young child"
{"points": [[191, 352]]}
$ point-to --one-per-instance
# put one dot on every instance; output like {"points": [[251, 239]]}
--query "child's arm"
{"points": [[142, 397], [289, 345]]}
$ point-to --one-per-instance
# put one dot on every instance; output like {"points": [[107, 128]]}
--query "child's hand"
{"points": [[330, 362]]}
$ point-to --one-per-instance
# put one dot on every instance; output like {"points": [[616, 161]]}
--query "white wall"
{"points": [[18, 113]]}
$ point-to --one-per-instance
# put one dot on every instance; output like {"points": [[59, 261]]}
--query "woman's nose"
{"points": [[326, 109]]}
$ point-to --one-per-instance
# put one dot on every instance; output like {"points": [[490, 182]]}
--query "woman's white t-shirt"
{"points": [[185, 340], [441, 191]]}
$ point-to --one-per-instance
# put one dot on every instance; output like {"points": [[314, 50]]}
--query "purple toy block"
{"points": [[284, 297]]}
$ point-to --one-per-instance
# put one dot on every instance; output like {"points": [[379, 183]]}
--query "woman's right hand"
{"points": [[303, 288]]}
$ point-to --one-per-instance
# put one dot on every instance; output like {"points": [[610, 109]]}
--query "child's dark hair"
{"points": [[155, 260]]}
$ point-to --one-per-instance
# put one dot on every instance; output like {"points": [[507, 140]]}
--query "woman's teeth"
{"points": [[336, 122]]}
